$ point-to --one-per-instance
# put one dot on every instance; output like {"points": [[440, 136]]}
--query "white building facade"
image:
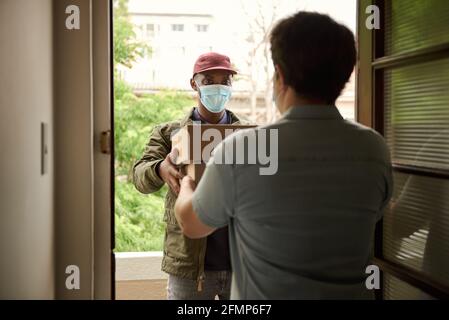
{"points": [[176, 35], [178, 31]]}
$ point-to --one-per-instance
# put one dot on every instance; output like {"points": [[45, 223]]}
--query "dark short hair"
{"points": [[315, 53]]}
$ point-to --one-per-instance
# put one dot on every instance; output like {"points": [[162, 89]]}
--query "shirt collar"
{"points": [[313, 112], [232, 118], [197, 117]]}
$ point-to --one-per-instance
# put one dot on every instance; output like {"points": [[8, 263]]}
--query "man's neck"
{"points": [[208, 116], [293, 100]]}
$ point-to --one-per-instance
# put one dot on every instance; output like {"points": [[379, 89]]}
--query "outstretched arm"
{"points": [[187, 218]]}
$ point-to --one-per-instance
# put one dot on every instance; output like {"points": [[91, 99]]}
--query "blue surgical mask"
{"points": [[215, 96]]}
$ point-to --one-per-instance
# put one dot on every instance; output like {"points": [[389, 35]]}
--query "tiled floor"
{"points": [[141, 290]]}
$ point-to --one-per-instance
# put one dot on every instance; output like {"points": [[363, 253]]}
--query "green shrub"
{"points": [[135, 118], [138, 218], [139, 222]]}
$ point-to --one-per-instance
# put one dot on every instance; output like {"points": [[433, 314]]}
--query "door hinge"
{"points": [[106, 142]]}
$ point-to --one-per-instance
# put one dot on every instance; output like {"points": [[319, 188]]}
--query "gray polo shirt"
{"points": [[306, 231]]}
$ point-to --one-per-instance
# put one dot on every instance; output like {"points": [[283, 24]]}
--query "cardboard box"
{"points": [[195, 171], [191, 140]]}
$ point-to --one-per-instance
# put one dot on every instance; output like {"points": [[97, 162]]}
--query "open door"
{"points": [[83, 149]]}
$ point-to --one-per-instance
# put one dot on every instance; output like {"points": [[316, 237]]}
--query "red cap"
{"points": [[212, 61]]}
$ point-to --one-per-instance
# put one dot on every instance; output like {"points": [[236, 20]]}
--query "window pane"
{"points": [[415, 24], [149, 30], [177, 27], [201, 27], [416, 225], [417, 114], [396, 289]]}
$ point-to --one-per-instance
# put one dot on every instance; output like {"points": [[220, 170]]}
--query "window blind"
{"points": [[416, 114], [417, 24], [415, 231], [416, 225]]}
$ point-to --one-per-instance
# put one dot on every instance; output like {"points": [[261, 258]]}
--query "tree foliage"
{"points": [[126, 48], [135, 118], [138, 218]]}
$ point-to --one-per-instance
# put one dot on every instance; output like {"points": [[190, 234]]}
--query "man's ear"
{"points": [[193, 84], [279, 75]]}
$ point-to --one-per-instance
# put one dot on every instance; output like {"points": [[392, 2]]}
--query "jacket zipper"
{"points": [[200, 282], [201, 274]]}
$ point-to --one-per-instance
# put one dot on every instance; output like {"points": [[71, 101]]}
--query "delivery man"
{"points": [[201, 268]]}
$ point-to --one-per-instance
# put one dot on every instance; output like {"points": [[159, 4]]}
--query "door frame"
{"points": [[112, 146], [103, 117]]}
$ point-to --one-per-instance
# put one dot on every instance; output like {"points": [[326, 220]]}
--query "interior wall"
{"points": [[26, 196], [60, 77]]}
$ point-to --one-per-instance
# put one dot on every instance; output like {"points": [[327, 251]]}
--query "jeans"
{"points": [[216, 284]]}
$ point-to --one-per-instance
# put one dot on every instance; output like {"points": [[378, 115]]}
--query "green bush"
{"points": [[135, 118], [138, 218]]}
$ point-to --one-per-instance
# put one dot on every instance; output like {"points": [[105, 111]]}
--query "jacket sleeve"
{"points": [[145, 176]]}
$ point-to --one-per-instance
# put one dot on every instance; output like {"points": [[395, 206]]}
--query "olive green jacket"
{"points": [[183, 257]]}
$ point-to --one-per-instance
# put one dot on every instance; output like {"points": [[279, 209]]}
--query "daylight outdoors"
{"points": [[138, 218], [155, 46]]}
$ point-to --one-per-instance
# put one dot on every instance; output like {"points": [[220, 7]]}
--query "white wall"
{"points": [[47, 222], [26, 197]]}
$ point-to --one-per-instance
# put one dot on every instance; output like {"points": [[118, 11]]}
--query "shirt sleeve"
{"points": [[213, 199]]}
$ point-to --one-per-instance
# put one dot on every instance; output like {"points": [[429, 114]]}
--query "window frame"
{"points": [[370, 111]]}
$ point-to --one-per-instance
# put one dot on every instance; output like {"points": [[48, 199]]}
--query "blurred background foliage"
{"points": [[138, 217]]}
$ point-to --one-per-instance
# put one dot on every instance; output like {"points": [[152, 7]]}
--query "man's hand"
{"points": [[187, 219], [187, 183], [169, 172]]}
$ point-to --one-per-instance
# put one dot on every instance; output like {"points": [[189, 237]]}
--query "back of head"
{"points": [[315, 53]]}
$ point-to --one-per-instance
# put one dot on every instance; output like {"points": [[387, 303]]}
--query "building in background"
{"points": [[178, 31]]}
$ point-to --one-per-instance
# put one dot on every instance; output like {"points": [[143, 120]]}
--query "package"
{"points": [[195, 171], [195, 143]]}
